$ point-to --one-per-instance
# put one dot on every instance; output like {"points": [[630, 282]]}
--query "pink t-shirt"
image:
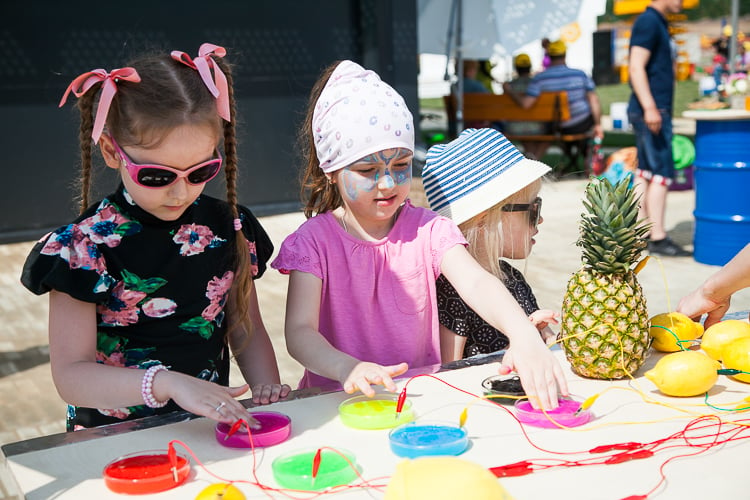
{"points": [[378, 301]]}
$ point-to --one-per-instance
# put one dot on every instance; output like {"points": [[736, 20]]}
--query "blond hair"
{"points": [[484, 232]]}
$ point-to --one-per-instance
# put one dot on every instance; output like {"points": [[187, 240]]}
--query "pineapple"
{"points": [[605, 323]]}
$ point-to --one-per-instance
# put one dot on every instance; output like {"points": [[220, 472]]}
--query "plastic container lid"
{"points": [[563, 415], [145, 472], [418, 439], [275, 428], [294, 470], [378, 412]]}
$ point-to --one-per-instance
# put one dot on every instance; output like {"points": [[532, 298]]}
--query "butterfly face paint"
{"points": [[384, 170]]}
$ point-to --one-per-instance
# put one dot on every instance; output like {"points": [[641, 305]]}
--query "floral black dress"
{"points": [[481, 337], [159, 287]]}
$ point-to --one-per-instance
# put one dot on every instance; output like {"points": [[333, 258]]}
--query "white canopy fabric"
{"points": [[509, 24]]}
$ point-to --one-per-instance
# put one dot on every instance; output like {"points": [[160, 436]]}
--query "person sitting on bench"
{"points": [[585, 110]]}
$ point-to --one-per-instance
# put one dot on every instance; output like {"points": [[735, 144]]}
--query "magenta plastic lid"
{"points": [[274, 428], [564, 415]]}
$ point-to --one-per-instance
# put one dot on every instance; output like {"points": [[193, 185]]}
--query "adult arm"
{"points": [[256, 357], [523, 100], [81, 381], [639, 57], [596, 113], [540, 373], [306, 344], [714, 295]]}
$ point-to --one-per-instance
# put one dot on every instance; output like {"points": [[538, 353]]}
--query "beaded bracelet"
{"points": [[147, 387]]}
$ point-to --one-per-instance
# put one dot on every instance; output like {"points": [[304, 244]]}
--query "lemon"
{"points": [[220, 491], [720, 334], [667, 328], [736, 354], [684, 373]]}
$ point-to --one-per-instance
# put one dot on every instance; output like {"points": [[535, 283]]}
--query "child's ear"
{"points": [[109, 153]]}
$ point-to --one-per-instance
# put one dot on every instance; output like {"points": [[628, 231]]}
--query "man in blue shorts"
{"points": [[585, 110], [652, 75]]}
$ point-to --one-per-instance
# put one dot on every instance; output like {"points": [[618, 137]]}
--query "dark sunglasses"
{"points": [[534, 208], [159, 176]]}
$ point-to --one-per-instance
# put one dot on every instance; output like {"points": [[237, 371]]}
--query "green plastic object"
{"points": [[294, 470], [683, 151]]}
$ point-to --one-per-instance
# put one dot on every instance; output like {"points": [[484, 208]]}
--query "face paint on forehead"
{"points": [[385, 156]]}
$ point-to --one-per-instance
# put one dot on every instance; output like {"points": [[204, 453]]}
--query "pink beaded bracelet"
{"points": [[147, 387]]}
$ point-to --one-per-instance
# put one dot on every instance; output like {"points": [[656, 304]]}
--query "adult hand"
{"points": [[365, 373], [652, 118], [697, 303], [269, 393]]}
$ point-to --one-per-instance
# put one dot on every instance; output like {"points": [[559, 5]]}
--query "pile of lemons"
{"points": [[686, 372]]}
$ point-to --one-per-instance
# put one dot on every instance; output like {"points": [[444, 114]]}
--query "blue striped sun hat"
{"points": [[475, 172]]}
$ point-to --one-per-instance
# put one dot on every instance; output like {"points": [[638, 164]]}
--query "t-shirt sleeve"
{"points": [[644, 33], [299, 252], [68, 261], [445, 235], [261, 246]]}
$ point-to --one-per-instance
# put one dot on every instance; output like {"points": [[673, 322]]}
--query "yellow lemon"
{"points": [[684, 373], [220, 491], [668, 329], [736, 355], [720, 334]]}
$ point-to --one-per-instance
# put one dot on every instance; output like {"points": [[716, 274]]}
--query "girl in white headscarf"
{"points": [[362, 305]]}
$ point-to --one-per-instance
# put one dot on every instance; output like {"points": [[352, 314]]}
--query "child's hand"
{"points": [[269, 393], [542, 318], [539, 371], [365, 373], [203, 398]]}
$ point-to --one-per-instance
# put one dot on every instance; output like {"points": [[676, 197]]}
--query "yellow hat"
{"points": [[443, 478], [522, 61], [556, 48]]}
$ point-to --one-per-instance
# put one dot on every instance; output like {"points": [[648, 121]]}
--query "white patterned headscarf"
{"points": [[358, 114]]}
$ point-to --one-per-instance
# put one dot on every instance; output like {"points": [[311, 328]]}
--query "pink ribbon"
{"points": [[217, 84], [84, 82]]}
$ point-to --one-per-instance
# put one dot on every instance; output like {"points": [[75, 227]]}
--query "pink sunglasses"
{"points": [[159, 176]]}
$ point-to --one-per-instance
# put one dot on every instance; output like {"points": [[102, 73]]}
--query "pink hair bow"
{"points": [[217, 84], [84, 82]]}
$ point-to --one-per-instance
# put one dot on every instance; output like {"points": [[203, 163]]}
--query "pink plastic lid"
{"points": [[274, 428], [563, 415]]}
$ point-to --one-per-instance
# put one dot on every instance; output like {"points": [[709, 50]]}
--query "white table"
{"points": [[73, 470]]}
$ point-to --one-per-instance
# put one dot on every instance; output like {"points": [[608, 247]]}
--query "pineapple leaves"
{"points": [[611, 235]]}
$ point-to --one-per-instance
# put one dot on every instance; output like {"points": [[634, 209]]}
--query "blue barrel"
{"points": [[722, 189]]}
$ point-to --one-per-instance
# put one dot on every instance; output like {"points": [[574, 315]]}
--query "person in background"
{"points": [[714, 295], [519, 84], [546, 59], [362, 305], [585, 110], [499, 216], [484, 74], [652, 78], [472, 84], [150, 287]]}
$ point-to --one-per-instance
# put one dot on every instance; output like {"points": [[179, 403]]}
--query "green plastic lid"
{"points": [[683, 151]]}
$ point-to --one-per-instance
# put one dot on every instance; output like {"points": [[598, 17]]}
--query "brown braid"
{"points": [[243, 280], [86, 108], [317, 193]]}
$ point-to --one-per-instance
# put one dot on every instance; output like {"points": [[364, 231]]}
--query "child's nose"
{"points": [[386, 181]]}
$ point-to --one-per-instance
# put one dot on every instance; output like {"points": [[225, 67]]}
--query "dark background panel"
{"points": [[278, 49]]}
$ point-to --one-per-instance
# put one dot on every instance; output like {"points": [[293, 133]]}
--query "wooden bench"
{"points": [[550, 108]]}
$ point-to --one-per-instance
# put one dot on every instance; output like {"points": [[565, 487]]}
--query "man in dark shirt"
{"points": [[652, 75]]}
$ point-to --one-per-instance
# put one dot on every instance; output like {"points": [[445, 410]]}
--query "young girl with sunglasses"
{"points": [[151, 286], [361, 304], [497, 206]]}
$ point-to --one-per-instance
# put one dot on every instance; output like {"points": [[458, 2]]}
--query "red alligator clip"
{"points": [[513, 470]]}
